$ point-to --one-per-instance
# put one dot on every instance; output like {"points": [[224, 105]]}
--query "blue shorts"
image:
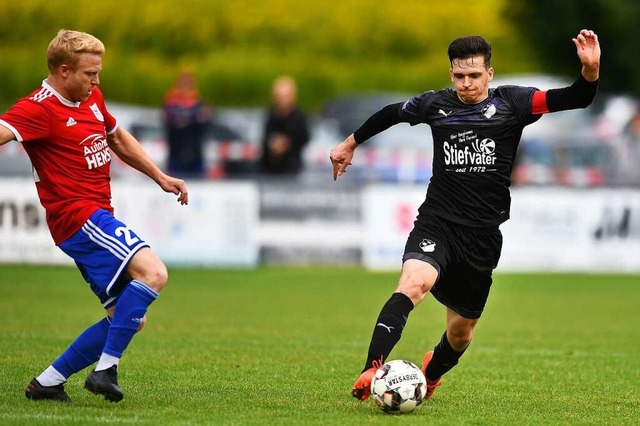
{"points": [[102, 249]]}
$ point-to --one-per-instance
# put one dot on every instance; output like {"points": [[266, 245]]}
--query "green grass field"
{"points": [[280, 346]]}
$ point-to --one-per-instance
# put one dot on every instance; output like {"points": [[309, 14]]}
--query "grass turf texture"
{"points": [[284, 345]]}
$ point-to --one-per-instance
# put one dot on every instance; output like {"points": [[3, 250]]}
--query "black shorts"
{"points": [[465, 257]]}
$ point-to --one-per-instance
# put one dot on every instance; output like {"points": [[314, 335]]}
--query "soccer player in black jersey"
{"points": [[455, 243]]}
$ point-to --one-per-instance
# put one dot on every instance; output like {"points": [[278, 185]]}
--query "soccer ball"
{"points": [[398, 387]]}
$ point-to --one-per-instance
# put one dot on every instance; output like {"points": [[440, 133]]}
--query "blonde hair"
{"points": [[68, 45]]}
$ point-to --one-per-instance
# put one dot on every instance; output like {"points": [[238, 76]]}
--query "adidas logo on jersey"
{"points": [[71, 122]]}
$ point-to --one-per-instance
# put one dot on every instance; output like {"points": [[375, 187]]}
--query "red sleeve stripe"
{"points": [[539, 103]]}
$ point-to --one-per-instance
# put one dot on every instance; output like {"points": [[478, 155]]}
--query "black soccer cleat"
{"points": [[36, 392], [105, 382]]}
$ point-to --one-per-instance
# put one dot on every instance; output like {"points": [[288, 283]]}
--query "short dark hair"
{"points": [[468, 47]]}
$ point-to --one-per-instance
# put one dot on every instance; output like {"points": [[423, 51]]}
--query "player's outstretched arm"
{"points": [[588, 49], [129, 150], [380, 121], [342, 155], [582, 92]]}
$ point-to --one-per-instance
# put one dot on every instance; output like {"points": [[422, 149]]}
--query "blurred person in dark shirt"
{"points": [[185, 119], [286, 131]]}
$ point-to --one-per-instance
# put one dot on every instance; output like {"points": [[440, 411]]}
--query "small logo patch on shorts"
{"points": [[427, 246]]}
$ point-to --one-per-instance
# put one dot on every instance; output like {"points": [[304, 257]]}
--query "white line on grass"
{"points": [[71, 417]]}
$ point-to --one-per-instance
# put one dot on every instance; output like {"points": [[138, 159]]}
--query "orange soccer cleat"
{"points": [[431, 384], [362, 387]]}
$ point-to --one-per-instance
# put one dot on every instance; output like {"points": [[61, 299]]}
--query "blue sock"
{"points": [[130, 309], [85, 350]]}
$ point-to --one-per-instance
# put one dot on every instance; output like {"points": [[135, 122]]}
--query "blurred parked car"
{"points": [[563, 148], [577, 163], [587, 163], [612, 113], [401, 154], [534, 164]]}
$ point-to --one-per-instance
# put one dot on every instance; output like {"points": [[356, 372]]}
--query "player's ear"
{"points": [[451, 74], [490, 72], [64, 70]]}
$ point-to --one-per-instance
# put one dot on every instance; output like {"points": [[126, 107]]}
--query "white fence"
{"points": [[240, 224], [551, 229], [217, 228]]}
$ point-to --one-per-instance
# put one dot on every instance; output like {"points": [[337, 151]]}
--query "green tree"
{"points": [[549, 26], [237, 47]]}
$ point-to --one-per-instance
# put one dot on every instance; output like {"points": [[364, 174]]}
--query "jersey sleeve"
{"points": [[520, 99], [579, 95], [27, 120], [414, 110], [378, 122]]}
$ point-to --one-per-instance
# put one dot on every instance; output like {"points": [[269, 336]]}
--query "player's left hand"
{"points": [[176, 186], [588, 49]]}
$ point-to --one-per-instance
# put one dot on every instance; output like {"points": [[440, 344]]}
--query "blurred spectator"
{"points": [[185, 119], [286, 131]]}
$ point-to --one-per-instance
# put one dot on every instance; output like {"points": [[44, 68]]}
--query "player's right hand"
{"points": [[342, 155], [175, 186]]}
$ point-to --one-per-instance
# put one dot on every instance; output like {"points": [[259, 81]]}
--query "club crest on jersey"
{"points": [[96, 152], [427, 246], [489, 110], [96, 111]]}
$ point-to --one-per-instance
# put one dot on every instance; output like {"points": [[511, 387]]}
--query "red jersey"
{"points": [[67, 144]]}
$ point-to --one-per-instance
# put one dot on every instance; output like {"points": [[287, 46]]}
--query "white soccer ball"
{"points": [[398, 387]]}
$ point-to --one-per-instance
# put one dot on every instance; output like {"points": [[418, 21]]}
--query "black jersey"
{"points": [[474, 149]]}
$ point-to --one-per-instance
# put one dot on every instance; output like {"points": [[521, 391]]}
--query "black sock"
{"points": [[444, 359], [388, 329]]}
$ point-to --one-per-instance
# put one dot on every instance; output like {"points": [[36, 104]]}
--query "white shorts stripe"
{"points": [[105, 304], [113, 240], [104, 240], [99, 240]]}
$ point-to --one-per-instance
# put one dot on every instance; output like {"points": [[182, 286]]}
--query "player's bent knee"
{"points": [[415, 284], [161, 277], [460, 341], [413, 287], [156, 277], [460, 336], [147, 268]]}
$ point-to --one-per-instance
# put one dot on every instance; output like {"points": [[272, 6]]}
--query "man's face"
{"points": [[82, 78], [471, 79], [284, 95]]}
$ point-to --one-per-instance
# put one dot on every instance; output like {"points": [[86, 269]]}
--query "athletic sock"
{"points": [[388, 329], [444, 359], [51, 377], [83, 352], [107, 361], [130, 310]]}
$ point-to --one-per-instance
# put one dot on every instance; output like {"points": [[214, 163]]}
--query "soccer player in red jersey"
{"points": [[69, 135], [456, 242]]}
